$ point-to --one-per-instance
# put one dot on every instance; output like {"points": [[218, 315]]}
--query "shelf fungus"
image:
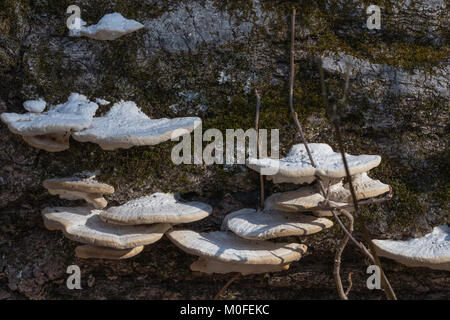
{"points": [[253, 225], [430, 251], [84, 225], [81, 186], [211, 266], [35, 106], [297, 168], [94, 252], [50, 130], [223, 252], [111, 27], [308, 198], [126, 126], [156, 208]]}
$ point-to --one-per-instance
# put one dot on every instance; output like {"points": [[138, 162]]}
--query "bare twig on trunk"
{"points": [[348, 233], [291, 88], [259, 151], [335, 118], [291, 100], [225, 287], [338, 257], [350, 283]]}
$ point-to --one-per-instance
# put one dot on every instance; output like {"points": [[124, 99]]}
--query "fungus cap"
{"points": [[229, 248], [74, 115], [364, 186], [329, 163], [94, 252], [308, 198], [156, 208], [126, 126], [253, 225], [430, 251], [81, 186], [84, 225], [35, 106], [210, 266], [305, 199], [82, 182], [111, 27]]}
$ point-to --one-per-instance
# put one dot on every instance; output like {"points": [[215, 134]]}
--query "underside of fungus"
{"points": [[156, 208], [308, 198], [269, 224], [297, 164], [50, 130], [49, 142], [94, 252], [84, 225], [81, 186], [126, 126], [211, 266], [430, 251], [111, 27], [226, 247]]}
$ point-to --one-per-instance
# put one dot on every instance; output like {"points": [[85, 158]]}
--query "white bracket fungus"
{"points": [[297, 165], [125, 126], [49, 130], [93, 252], [156, 208], [35, 106], [81, 186], [111, 27], [226, 247], [102, 102], [430, 251], [84, 225], [365, 188], [308, 198], [211, 266], [253, 225], [53, 142]]}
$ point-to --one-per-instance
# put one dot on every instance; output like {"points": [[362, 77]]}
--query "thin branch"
{"points": [[337, 260], [291, 89], [350, 283], [291, 99], [336, 121], [384, 281], [259, 151], [358, 244], [225, 287]]}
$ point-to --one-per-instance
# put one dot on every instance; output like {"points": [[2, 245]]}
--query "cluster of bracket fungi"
{"points": [[242, 245]]}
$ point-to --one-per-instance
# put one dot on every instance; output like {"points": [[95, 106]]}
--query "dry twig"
{"points": [[337, 260], [225, 287], [335, 118], [259, 151], [291, 100]]}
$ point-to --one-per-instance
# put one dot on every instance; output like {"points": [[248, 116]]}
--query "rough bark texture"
{"points": [[203, 58]]}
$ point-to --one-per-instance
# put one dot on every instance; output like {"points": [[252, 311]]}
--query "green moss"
{"points": [[406, 206]]}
